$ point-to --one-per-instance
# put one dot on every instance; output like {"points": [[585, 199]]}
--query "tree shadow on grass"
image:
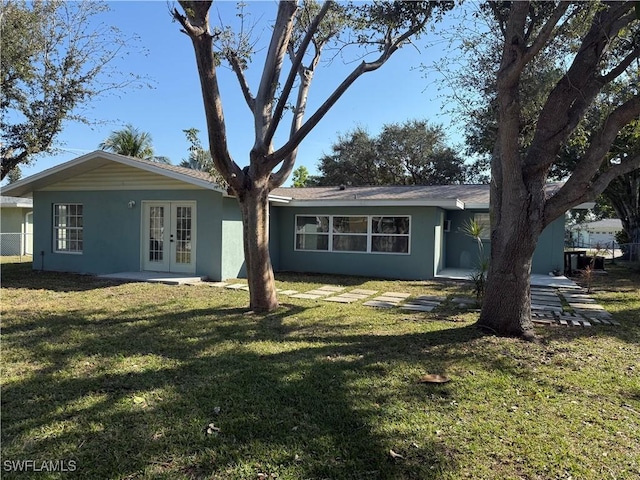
{"points": [[297, 406]]}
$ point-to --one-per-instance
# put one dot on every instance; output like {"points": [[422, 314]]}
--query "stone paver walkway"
{"points": [[549, 305]]}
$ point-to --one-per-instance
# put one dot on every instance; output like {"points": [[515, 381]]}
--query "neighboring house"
{"points": [[16, 226], [602, 232], [106, 213]]}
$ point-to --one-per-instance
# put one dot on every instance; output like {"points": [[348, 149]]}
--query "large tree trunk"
{"points": [[506, 309], [254, 204]]}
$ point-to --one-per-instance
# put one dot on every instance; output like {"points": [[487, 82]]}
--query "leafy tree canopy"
{"points": [[410, 153], [55, 59], [132, 142]]}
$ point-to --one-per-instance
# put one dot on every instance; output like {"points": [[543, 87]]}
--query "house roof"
{"points": [[457, 197], [99, 158], [605, 223], [454, 197], [15, 202]]}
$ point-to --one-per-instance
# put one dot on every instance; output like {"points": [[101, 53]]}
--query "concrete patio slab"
{"points": [[154, 277]]}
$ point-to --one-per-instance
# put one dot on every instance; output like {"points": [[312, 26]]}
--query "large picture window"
{"points": [[353, 233], [67, 228]]}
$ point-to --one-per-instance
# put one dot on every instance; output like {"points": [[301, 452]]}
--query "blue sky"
{"points": [[397, 92]]}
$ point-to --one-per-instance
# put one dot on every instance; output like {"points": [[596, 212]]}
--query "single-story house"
{"points": [[105, 213], [16, 226], [601, 232]]}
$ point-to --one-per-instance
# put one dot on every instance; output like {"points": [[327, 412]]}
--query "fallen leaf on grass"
{"points": [[433, 378], [395, 456], [212, 429]]}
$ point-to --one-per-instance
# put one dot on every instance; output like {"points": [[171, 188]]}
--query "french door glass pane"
{"points": [[183, 235], [156, 234]]}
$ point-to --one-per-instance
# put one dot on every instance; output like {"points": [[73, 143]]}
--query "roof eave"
{"points": [[449, 204]]}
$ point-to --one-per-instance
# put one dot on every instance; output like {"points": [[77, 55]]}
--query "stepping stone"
{"points": [[380, 304], [417, 307], [431, 298], [384, 298], [396, 295], [463, 300], [428, 303], [331, 288], [288, 292], [543, 321], [586, 306], [548, 308], [307, 296], [320, 293], [216, 284], [237, 286], [360, 291], [355, 296], [340, 299]]}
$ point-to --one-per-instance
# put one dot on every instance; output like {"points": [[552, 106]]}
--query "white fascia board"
{"points": [[279, 199], [452, 204], [476, 206]]}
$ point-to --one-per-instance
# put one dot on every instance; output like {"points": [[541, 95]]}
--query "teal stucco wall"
{"points": [[232, 245], [462, 250], [419, 264], [112, 230]]}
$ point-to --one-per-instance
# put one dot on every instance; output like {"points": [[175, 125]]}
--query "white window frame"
{"points": [[57, 229], [369, 234], [323, 234]]}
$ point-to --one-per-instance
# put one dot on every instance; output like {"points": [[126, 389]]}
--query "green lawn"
{"points": [[124, 380]]}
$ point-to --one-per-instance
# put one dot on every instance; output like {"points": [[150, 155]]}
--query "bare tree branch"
{"points": [[276, 157], [580, 185], [196, 26], [271, 72], [545, 33], [296, 63], [242, 80]]}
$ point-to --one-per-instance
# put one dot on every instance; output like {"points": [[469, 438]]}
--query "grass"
{"points": [[125, 380]]}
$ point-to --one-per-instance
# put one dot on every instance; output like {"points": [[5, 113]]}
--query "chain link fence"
{"points": [[16, 244], [630, 252]]}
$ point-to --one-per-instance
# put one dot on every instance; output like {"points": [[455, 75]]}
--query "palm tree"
{"points": [[131, 142]]}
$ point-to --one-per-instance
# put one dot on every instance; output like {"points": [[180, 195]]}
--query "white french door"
{"points": [[169, 237]]}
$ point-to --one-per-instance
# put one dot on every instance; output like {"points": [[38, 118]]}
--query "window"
{"points": [[67, 228], [484, 220], [351, 233], [312, 233], [390, 234]]}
